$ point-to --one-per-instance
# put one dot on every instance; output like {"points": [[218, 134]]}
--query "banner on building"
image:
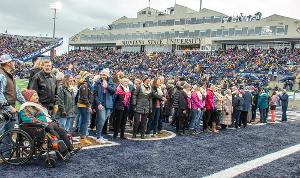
{"points": [[181, 41]]}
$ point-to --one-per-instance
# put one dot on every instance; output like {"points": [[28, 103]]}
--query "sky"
{"points": [[34, 17]]}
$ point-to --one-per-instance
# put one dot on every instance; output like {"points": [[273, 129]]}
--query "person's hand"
{"points": [[13, 110], [184, 112], [100, 107], [164, 99]]}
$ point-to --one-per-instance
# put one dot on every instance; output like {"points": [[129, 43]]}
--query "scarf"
{"points": [[145, 89], [159, 91], [126, 89], [199, 94], [126, 94], [38, 107]]}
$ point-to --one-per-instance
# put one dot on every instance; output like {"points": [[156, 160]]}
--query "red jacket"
{"points": [[209, 100]]}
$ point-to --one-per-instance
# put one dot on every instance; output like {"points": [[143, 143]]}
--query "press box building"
{"points": [[181, 28]]}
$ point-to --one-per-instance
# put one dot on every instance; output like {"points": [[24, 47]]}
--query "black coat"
{"points": [[141, 102], [183, 103], [237, 103], [46, 87]]}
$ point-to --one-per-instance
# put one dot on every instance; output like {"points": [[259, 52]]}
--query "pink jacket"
{"points": [[196, 101], [209, 100]]}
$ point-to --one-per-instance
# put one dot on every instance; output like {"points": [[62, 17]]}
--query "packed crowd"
{"points": [[105, 100], [19, 46]]}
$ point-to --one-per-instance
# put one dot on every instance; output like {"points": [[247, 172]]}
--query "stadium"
{"points": [[168, 93], [182, 28]]}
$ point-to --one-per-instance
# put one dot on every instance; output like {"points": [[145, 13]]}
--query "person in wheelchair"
{"points": [[35, 113]]}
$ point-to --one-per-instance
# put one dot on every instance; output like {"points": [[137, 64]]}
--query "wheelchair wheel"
{"points": [[16, 147], [50, 162]]}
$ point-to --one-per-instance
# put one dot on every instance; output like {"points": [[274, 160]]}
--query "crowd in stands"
{"points": [[19, 46]]}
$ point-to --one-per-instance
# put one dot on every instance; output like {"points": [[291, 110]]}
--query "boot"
{"points": [[214, 128], [84, 141]]}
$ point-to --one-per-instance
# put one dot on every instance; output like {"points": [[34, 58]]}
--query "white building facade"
{"points": [[181, 28]]}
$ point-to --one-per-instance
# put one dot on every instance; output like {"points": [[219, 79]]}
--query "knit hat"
{"points": [[105, 72], [59, 76], [28, 94], [145, 77]]}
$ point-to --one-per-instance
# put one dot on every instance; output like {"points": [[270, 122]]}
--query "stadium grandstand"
{"points": [[26, 48], [182, 28]]}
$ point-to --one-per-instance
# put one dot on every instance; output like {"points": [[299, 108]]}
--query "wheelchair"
{"points": [[31, 141]]}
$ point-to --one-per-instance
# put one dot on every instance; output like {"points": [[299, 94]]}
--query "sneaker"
{"points": [[102, 138], [101, 141]]}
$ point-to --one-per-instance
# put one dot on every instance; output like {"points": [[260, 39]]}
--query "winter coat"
{"points": [[247, 101], [274, 100], [66, 102], [156, 98], [141, 101], [255, 99], [209, 100], [122, 99], [183, 102], [237, 103], [284, 100], [175, 96], [227, 110], [85, 96], [46, 87], [169, 97], [263, 101], [105, 99], [196, 101]]}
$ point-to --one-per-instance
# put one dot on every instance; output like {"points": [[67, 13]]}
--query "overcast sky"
{"points": [[33, 17]]}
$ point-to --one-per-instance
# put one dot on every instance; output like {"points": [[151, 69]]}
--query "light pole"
{"points": [[55, 6]]}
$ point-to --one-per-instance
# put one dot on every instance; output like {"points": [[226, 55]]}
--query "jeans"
{"points": [[263, 115], [153, 122], [66, 123], [78, 119], [101, 117], [196, 117], [84, 115], [284, 117]]}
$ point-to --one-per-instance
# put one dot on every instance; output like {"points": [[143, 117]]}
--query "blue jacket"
{"points": [[284, 100], [105, 99], [263, 101], [247, 101]]}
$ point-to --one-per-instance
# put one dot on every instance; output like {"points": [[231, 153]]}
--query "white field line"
{"points": [[250, 165]]}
